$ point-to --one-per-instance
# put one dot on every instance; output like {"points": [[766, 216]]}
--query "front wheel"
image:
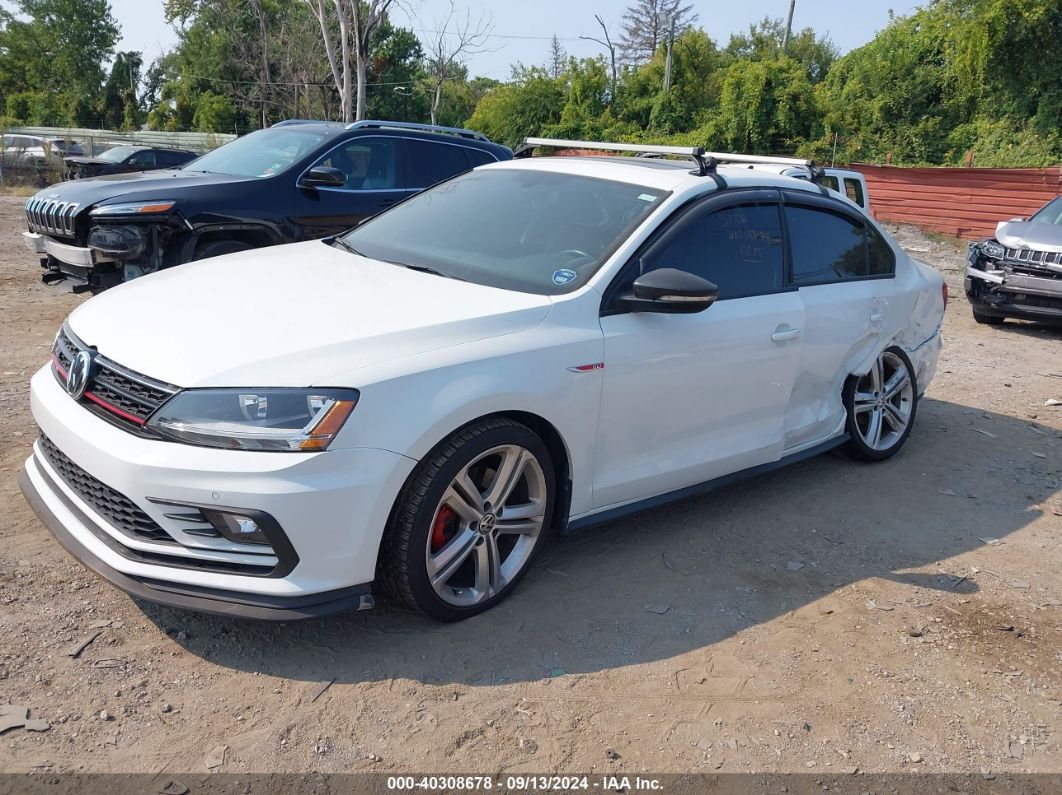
{"points": [[469, 520], [218, 248], [881, 407]]}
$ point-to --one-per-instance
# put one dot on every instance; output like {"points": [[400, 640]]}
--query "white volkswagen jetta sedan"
{"points": [[536, 345]]}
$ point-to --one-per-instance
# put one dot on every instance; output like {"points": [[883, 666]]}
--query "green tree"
{"points": [[766, 107], [58, 47], [696, 79], [120, 105], [763, 41], [512, 111]]}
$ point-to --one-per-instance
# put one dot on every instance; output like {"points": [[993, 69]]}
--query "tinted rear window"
{"points": [[826, 247], [430, 162]]}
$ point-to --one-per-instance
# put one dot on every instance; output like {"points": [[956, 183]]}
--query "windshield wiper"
{"points": [[432, 271], [338, 241]]}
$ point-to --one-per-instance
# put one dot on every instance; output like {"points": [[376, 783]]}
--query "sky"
{"points": [[522, 31]]}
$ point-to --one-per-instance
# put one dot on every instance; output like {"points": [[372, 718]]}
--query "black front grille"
{"points": [[52, 217], [127, 393], [118, 509], [129, 397], [1044, 302]]}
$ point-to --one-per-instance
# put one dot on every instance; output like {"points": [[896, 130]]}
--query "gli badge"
{"points": [[77, 380], [564, 276]]}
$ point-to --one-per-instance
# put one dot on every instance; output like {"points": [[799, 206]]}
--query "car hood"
{"points": [[138, 186], [293, 315], [1028, 234]]}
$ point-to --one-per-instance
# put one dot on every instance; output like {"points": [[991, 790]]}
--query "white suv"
{"points": [[536, 345]]}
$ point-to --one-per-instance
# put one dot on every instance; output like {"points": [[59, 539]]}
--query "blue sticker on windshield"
{"points": [[563, 276]]}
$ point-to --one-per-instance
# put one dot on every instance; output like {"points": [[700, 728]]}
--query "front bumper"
{"points": [[78, 256], [81, 264], [1015, 290], [331, 506], [189, 597]]}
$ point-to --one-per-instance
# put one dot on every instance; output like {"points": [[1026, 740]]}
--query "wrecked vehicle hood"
{"points": [[1030, 234]]}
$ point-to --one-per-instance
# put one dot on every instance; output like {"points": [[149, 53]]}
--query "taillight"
{"points": [[944, 293]]}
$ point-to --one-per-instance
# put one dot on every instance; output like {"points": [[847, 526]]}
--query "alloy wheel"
{"points": [[884, 402], [486, 525]]}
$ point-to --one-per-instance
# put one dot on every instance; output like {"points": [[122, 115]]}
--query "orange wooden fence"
{"points": [[966, 202]]}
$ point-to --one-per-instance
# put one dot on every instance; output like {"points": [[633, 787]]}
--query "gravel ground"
{"points": [[829, 617]]}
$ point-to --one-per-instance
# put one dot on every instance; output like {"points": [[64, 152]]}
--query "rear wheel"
{"points": [[217, 248], [469, 521], [989, 320], [881, 407]]}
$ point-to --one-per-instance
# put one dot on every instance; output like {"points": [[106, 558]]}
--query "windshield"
{"points": [[532, 231], [260, 154], [117, 154], [1051, 213]]}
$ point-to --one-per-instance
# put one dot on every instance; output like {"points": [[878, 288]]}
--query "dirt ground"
{"points": [[833, 616]]}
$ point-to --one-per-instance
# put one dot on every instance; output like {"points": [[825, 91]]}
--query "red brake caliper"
{"points": [[444, 527]]}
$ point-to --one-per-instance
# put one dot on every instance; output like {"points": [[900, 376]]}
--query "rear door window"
{"points": [[477, 157], [431, 162], [882, 260], [825, 246]]}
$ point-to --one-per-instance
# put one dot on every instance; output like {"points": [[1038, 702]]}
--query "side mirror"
{"points": [[671, 291], [323, 177]]}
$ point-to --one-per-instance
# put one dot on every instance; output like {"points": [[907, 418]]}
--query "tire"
{"points": [[980, 316], [217, 248], [891, 410], [439, 543]]}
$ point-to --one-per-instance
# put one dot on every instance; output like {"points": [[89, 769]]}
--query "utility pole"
{"points": [[788, 25], [667, 62]]}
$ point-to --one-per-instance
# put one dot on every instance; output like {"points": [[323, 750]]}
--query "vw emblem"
{"points": [[77, 380]]}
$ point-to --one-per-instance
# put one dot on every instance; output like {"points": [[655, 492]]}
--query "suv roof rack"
{"points": [[410, 125], [293, 122], [706, 161]]}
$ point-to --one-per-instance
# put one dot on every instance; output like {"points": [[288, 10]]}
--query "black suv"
{"points": [[296, 180]]}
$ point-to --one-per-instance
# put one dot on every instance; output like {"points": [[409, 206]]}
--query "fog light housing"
{"points": [[236, 528]]}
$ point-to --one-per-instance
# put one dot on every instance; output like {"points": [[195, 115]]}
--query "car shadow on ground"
{"points": [[692, 573], [1030, 329]]}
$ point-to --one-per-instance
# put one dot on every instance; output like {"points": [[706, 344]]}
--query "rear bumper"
{"points": [[189, 597]]}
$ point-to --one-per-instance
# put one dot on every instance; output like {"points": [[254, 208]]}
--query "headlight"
{"points": [[139, 208], [291, 420], [993, 250]]}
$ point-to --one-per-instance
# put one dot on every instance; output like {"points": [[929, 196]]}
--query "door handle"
{"points": [[782, 334], [877, 317]]}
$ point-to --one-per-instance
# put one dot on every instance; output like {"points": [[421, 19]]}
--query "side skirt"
{"points": [[612, 514]]}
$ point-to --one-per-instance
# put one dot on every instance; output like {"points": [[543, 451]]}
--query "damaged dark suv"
{"points": [[1018, 273], [297, 180]]}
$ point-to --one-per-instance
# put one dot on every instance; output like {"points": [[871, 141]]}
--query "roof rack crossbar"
{"points": [[409, 125], [704, 166], [732, 157], [815, 173], [293, 122]]}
